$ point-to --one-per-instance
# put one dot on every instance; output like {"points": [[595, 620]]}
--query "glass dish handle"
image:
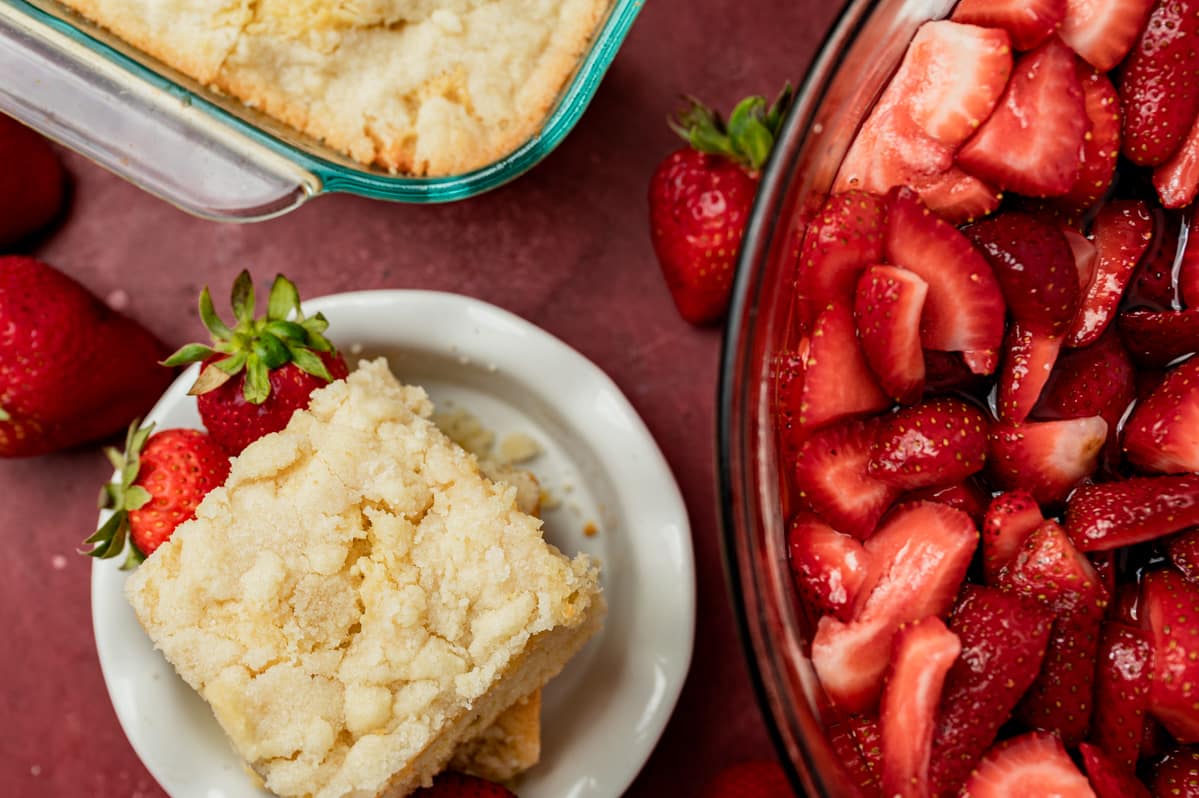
{"points": [[154, 138]]}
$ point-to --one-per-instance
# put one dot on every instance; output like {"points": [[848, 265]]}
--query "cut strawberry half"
{"points": [[1009, 521], [967, 496], [1085, 257], [1159, 83], [1170, 611], [935, 443], [828, 566], [1035, 268], [1028, 22], [1157, 339], [923, 654], [1027, 365], [1101, 145], [844, 238], [1108, 779], [963, 310], [1122, 232], [1045, 458], [1103, 31], [831, 472], [1035, 763], [1184, 553], [887, 308], [1177, 776], [1032, 143], [1162, 433], [955, 196], [837, 381], [1003, 640], [1122, 692], [1177, 178], [918, 559], [1135, 510]]}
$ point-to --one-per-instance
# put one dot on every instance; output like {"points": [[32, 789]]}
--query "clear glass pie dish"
{"points": [[211, 155], [851, 69]]}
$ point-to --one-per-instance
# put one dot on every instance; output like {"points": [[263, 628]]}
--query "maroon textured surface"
{"points": [[566, 247]]}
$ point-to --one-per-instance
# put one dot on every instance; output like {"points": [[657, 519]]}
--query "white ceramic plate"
{"points": [[603, 715]]}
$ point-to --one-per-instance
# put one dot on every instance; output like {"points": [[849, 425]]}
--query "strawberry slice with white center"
{"points": [[1103, 31], [1162, 433], [832, 474], [887, 308], [1170, 611], [1032, 143], [1136, 510], [1184, 553], [1122, 231], [923, 654], [1122, 692], [844, 238], [837, 380], [1101, 146], [1108, 779], [828, 566], [1009, 521], [917, 561], [935, 443], [1045, 458], [955, 196], [1159, 83], [1177, 178], [1029, 356], [1028, 22], [963, 310], [1003, 643], [1177, 776], [1033, 764], [1155, 339]]}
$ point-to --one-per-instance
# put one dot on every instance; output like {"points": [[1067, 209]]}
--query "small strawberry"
{"points": [[700, 197], [1157, 339], [1159, 83], [32, 182], [1028, 22], [257, 374], [1003, 643], [967, 496], [887, 309], [1101, 145], [1009, 521], [837, 380], [922, 655], [162, 478], [828, 566], [755, 779], [1184, 553], [1122, 692], [1035, 760], [1170, 611], [933, 444], [1028, 360], [71, 369], [1135, 510], [1177, 178], [1108, 779], [845, 237], [458, 785], [1121, 232], [1162, 433], [1103, 31], [1045, 458], [1177, 776]]}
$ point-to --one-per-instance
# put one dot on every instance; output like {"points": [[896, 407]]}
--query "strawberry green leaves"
{"points": [[746, 139], [122, 496]]}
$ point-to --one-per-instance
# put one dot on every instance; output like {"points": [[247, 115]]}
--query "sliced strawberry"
{"points": [[923, 654], [887, 308], [1009, 521], [828, 566], [1085, 257], [935, 443], [1003, 641], [1035, 268], [918, 559], [1027, 364], [1101, 146], [1184, 553], [1122, 692], [837, 381], [1095, 381], [1103, 31], [967, 496], [1032, 143], [1188, 265], [1157, 339], [847, 747], [1132, 511], [1028, 22], [1045, 458], [1162, 433], [1035, 763], [1177, 776], [963, 310], [787, 371], [831, 472], [1108, 779], [1176, 179], [845, 237], [869, 738], [1170, 611], [955, 196], [1159, 83], [1122, 232]]}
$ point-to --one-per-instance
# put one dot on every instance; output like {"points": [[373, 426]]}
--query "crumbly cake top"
{"points": [[355, 585]]}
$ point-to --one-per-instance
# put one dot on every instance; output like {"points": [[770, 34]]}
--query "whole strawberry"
{"points": [[760, 779], [32, 182], [700, 198], [162, 478], [458, 785], [258, 373], [71, 369]]}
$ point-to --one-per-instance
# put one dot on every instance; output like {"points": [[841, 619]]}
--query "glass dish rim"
{"points": [[573, 99]]}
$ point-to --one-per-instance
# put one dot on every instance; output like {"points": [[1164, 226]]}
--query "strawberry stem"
{"points": [[749, 136]]}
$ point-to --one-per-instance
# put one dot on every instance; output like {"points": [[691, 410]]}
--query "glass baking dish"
{"points": [[209, 154]]}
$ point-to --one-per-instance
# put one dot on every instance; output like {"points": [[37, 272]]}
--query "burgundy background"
{"points": [[566, 247]]}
